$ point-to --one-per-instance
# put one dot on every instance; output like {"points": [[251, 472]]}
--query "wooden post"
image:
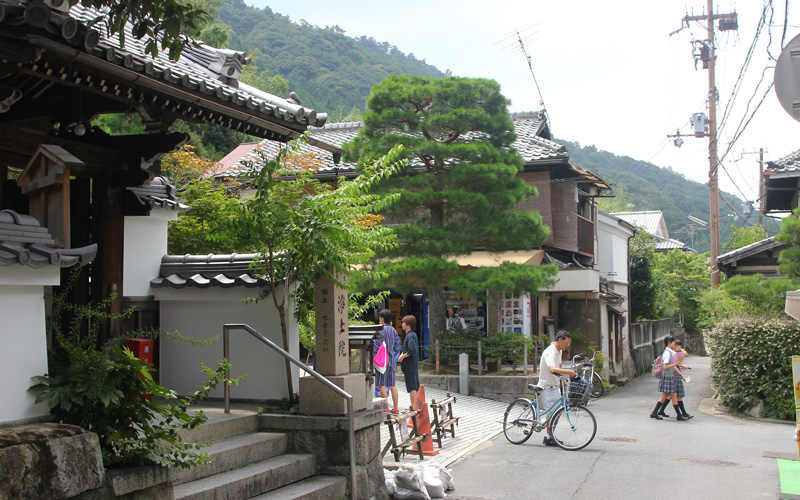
{"points": [[437, 356]]}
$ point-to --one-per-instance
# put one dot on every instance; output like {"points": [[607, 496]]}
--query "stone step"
{"points": [[233, 453], [621, 381], [313, 488], [221, 425], [250, 480]]}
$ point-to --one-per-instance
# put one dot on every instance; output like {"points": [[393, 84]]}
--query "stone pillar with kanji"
{"points": [[332, 354]]}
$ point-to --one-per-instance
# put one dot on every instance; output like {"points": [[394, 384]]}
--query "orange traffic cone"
{"points": [[424, 425]]}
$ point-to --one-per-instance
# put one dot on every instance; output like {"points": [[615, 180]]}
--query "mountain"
{"points": [[327, 69], [333, 72], [645, 186]]}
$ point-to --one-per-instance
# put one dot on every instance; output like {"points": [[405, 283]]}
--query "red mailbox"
{"points": [[142, 349]]}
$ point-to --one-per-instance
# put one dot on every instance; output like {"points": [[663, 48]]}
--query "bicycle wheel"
{"points": [[519, 417], [598, 387], [574, 428]]}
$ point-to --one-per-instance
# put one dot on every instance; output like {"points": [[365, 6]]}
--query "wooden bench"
{"points": [[413, 436], [443, 420]]}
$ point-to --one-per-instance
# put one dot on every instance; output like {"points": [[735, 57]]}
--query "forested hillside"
{"points": [[644, 186], [329, 70]]}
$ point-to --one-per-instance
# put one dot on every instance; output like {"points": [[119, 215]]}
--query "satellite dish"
{"points": [[787, 78]]}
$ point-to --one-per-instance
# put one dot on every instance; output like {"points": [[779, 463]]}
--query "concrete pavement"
{"points": [[713, 456]]}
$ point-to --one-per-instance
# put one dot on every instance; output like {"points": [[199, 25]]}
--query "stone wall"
{"points": [[326, 437], [498, 388]]}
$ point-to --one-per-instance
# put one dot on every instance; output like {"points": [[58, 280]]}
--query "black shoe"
{"points": [[682, 418], [687, 416], [548, 441], [663, 414], [655, 416]]}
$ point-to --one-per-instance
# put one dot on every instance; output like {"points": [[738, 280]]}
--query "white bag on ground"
{"points": [[445, 475], [410, 484], [388, 481]]}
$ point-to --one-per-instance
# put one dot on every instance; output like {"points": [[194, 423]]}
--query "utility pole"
{"points": [[727, 22]]}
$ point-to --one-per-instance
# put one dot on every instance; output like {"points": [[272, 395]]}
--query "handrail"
{"points": [[327, 383]]}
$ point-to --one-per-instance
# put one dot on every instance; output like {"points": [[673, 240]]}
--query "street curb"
{"points": [[712, 406]]}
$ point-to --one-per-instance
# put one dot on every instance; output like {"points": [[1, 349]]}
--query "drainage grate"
{"points": [[620, 439], [713, 463]]}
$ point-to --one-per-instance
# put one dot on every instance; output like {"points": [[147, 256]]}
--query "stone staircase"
{"points": [[248, 464]]}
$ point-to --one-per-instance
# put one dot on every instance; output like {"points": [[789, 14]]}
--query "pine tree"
{"points": [[460, 188]]}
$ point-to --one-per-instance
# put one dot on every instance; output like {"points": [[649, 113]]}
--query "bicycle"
{"points": [[572, 424], [586, 370]]}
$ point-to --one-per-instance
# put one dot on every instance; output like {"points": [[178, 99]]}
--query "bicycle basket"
{"points": [[578, 391]]}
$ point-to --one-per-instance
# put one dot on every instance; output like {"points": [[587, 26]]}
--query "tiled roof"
{"points": [[529, 145], [748, 250], [159, 193], [203, 271], [790, 163], [23, 241], [201, 86]]}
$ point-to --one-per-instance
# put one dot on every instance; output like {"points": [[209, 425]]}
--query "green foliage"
{"points": [[458, 194], [329, 70], [790, 234], [454, 342], [204, 228], [644, 288], [681, 277], [104, 389], [286, 406], [743, 236], [302, 229], [505, 347], [161, 24], [752, 362], [744, 296], [649, 187], [509, 277]]}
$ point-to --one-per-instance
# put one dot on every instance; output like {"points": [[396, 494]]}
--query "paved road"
{"points": [[713, 456]]}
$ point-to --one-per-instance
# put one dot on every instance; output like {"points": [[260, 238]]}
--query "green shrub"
{"points": [[505, 347], [454, 342], [752, 363], [104, 389]]}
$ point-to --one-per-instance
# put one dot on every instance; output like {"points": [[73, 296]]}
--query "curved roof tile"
{"points": [[23, 241]]}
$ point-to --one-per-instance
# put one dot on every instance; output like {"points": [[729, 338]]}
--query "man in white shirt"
{"points": [[549, 370]]}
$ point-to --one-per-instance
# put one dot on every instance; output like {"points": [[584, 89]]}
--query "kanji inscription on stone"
{"points": [[333, 355]]}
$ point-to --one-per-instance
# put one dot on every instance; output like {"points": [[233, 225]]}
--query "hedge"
{"points": [[752, 363]]}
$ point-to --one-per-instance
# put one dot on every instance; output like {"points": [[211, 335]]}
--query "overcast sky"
{"points": [[609, 72]]}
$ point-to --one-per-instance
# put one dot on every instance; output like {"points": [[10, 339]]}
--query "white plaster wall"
{"points": [[23, 344], [145, 245], [576, 280], [202, 313], [612, 251]]}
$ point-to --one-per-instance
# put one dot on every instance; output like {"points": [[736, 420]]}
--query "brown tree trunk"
{"points": [[494, 319], [437, 312], [285, 334]]}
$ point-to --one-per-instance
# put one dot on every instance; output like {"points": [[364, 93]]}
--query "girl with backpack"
{"points": [[670, 385], [393, 346]]}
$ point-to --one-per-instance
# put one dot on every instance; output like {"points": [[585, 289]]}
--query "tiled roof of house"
{"points": [[202, 85], [529, 145], [789, 163], [748, 250], [203, 271], [25, 242], [159, 193]]}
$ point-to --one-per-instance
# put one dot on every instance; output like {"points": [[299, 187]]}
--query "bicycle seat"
{"points": [[535, 388]]}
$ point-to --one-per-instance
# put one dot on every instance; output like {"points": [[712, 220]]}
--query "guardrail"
{"points": [[327, 383]]}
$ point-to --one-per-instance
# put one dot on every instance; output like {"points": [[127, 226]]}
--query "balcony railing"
{"points": [[585, 236]]}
